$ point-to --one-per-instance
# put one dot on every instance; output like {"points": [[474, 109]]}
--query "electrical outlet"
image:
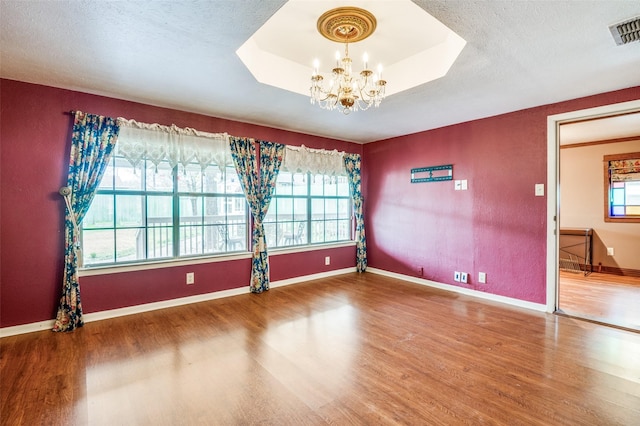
{"points": [[464, 277], [456, 276], [327, 260], [191, 278], [482, 277], [420, 271], [610, 251]]}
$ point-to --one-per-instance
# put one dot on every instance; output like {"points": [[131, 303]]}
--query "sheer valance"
{"points": [[157, 143], [315, 161]]}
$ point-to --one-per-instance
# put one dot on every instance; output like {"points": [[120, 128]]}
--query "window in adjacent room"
{"points": [[308, 209], [622, 187], [154, 213]]}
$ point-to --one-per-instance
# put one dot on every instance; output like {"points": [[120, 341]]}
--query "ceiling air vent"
{"points": [[627, 31]]}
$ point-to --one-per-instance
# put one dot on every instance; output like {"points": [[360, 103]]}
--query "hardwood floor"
{"points": [[605, 298], [354, 349]]}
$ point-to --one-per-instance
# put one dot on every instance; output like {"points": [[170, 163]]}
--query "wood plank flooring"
{"points": [[606, 298], [354, 349]]}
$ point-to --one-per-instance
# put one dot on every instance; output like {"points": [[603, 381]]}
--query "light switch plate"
{"points": [[458, 185], [464, 185], [539, 189]]}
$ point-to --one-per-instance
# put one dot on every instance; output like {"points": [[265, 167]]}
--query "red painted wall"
{"points": [[34, 159], [497, 226]]}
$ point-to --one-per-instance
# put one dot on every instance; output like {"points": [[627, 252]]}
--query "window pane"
{"points": [[617, 196], [98, 246], [617, 211], [317, 208], [632, 193], [213, 180], [286, 233], [159, 226], [100, 214], [330, 186], [344, 230], [271, 235], [343, 209], [294, 233], [191, 239], [300, 209], [343, 186], [126, 177], [159, 241], [301, 232], [331, 231], [270, 217], [300, 186], [214, 210], [285, 209], [331, 208], [190, 210], [284, 184], [190, 178], [317, 232], [107, 178], [130, 244], [160, 208], [129, 211], [233, 182], [317, 184], [633, 210], [159, 178], [237, 237]]}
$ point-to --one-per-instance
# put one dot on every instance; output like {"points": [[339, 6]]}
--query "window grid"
{"points": [[121, 229], [308, 209]]}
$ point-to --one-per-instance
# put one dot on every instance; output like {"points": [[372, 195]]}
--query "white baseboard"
{"points": [[131, 310], [311, 277], [26, 328], [466, 291]]}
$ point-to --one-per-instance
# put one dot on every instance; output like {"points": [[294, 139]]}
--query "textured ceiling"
{"points": [[182, 54]]}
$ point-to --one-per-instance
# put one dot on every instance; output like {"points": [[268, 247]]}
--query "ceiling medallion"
{"points": [[347, 24], [346, 91]]}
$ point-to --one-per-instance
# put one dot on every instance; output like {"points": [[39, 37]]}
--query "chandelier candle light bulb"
{"points": [[347, 92]]}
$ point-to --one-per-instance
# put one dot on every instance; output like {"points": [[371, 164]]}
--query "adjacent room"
{"points": [[319, 212]]}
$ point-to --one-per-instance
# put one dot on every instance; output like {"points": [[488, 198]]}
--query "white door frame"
{"points": [[553, 195]]}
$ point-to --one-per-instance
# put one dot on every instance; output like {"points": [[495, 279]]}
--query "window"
{"points": [[308, 209], [150, 213], [622, 187]]}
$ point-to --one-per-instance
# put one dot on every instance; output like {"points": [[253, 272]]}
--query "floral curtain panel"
{"points": [[178, 146], [258, 183], [352, 166], [92, 142]]}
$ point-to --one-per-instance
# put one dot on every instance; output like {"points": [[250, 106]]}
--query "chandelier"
{"points": [[347, 91]]}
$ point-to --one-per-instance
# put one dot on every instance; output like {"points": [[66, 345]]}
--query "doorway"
{"points": [[594, 296]]}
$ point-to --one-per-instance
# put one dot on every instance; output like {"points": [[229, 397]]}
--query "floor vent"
{"points": [[626, 32]]}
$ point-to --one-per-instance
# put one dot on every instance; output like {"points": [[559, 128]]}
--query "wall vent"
{"points": [[627, 31]]}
